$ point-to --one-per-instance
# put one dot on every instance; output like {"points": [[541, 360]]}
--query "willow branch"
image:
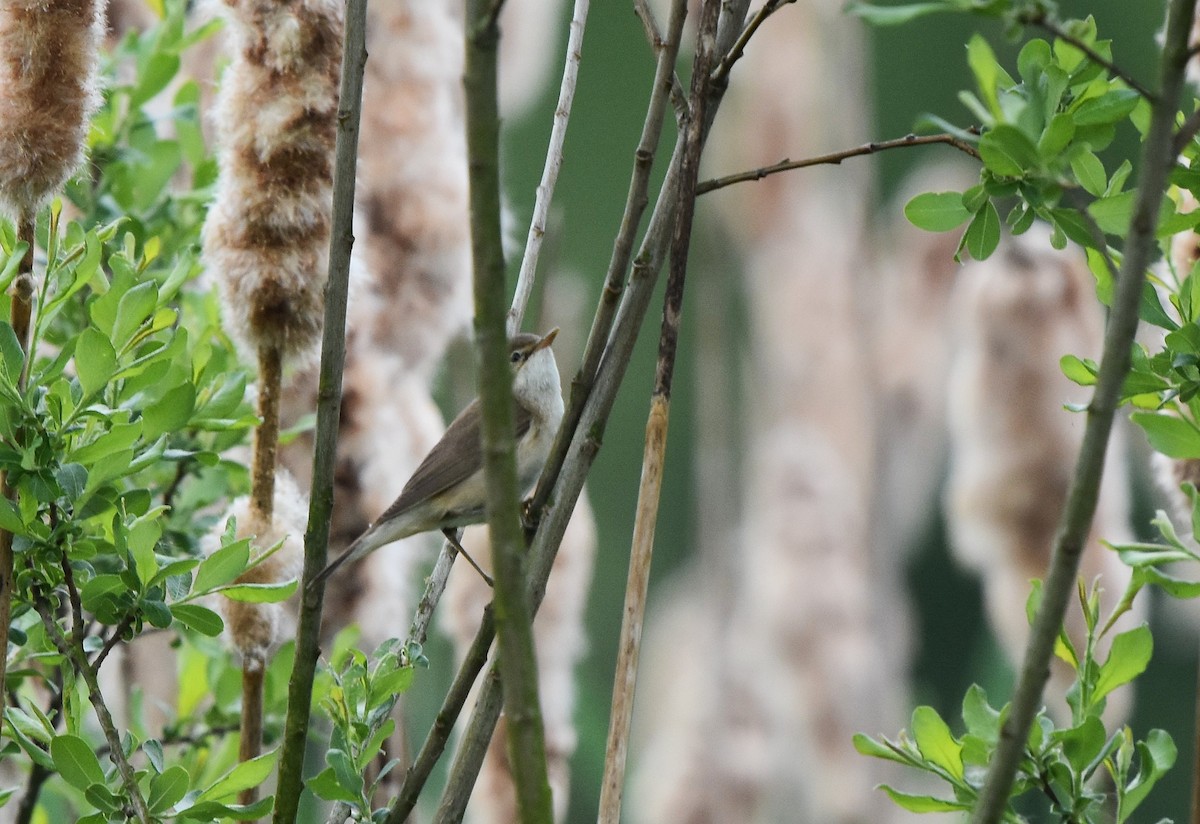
{"points": [[74, 653], [722, 69], [835, 158], [514, 618], [554, 159], [618, 266], [329, 397], [1051, 27], [654, 452], [658, 42], [1157, 159], [564, 483]]}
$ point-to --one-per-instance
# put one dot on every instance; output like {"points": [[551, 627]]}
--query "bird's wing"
{"points": [[436, 474]]}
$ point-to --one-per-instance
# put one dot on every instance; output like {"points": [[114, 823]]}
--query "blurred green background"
{"points": [[912, 69]]}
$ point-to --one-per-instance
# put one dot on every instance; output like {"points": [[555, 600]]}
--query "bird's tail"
{"points": [[355, 550]]}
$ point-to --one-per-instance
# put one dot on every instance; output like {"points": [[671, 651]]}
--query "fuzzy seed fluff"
{"points": [[48, 92], [256, 630], [267, 235]]}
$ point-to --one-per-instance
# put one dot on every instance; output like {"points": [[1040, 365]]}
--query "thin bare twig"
{"points": [[329, 396], [658, 42], [1085, 483], [835, 158], [554, 159], [654, 454], [721, 71], [1042, 21]]}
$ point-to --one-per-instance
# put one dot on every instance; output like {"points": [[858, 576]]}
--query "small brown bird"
{"points": [[448, 490]]}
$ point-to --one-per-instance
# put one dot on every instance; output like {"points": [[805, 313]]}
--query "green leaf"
{"points": [[875, 749], [894, 15], [241, 777], [988, 73], [76, 761], [1127, 659], [209, 811], [1082, 372], [1089, 171], [1168, 434], [937, 211], [981, 719], [983, 235], [1113, 213], [1083, 743], [348, 776], [171, 413], [325, 785], [168, 789], [153, 76], [1057, 135], [935, 742], [1007, 152], [1156, 755], [222, 566], [135, 307], [923, 803], [95, 360], [202, 619], [12, 356], [260, 593], [1107, 108]]}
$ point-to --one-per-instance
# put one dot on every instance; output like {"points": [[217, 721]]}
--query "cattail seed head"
{"points": [[256, 630], [267, 234], [48, 92]]}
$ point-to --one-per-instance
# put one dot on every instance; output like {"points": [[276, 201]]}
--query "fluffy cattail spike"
{"points": [[48, 92], [267, 234]]}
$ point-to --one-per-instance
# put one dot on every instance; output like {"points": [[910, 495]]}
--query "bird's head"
{"points": [[535, 373]]}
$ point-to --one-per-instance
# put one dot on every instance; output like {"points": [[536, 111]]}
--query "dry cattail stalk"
{"points": [[559, 635], [48, 92], [1013, 445], [267, 234]]}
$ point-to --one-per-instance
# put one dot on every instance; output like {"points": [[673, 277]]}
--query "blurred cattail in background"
{"points": [[793, 656], [1013, 445]]}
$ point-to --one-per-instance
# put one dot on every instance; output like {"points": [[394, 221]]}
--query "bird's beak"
{"points": [[546, 340]]}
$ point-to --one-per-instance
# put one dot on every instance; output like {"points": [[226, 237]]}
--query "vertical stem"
{"points": [[329, 398], [250, 742], [1157, 158], [653, 457], [266, 435], [19, 316], [514, 616], [262, 504]]}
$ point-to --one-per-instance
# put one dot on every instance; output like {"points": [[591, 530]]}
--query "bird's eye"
{"points": [[515, 357]]}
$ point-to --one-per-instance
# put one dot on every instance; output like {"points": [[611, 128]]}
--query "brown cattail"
{"points": [[48, 92], [255, 630], [1014, 446], [267, 234]]}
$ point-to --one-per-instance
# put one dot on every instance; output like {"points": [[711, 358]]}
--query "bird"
{"points": [[447, 491]]}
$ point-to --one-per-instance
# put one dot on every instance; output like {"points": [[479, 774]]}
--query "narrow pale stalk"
{"points": [[630, 639], [1157, 158], [514, 618], [329, 397], [554, 159], [654, 454]]}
